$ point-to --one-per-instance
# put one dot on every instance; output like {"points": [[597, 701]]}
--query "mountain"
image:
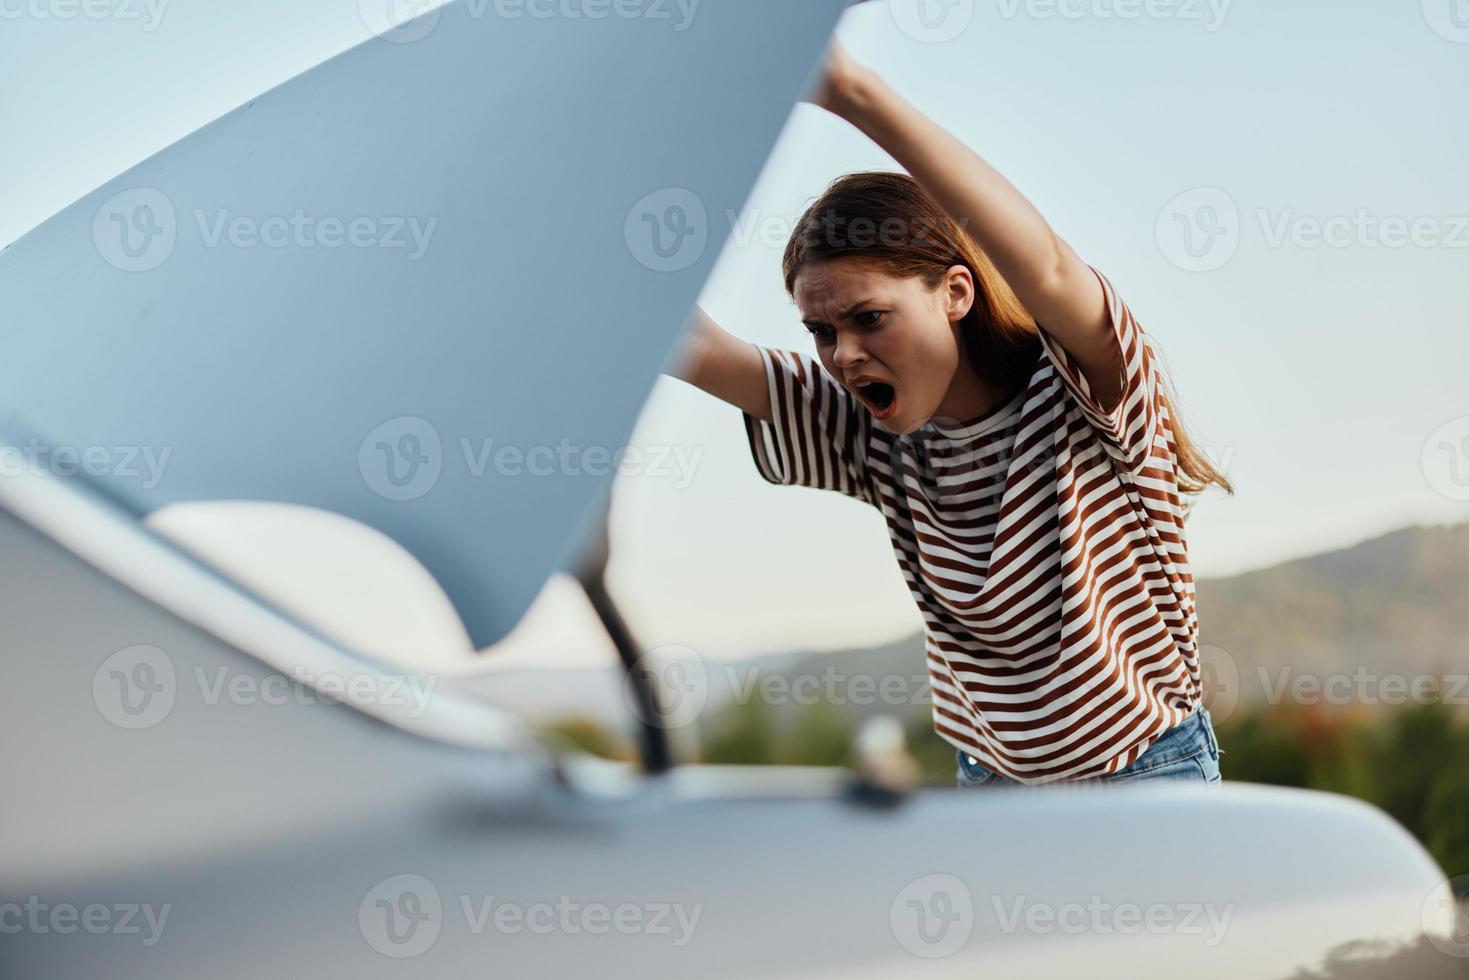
{"points": [[1357, 621], [1357, 627]]}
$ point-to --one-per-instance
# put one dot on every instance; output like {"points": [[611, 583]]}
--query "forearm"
{"points": [[725, 366], [1020, 242]]}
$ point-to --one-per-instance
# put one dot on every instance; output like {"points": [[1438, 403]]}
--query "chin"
{"points": [[899, 426]]}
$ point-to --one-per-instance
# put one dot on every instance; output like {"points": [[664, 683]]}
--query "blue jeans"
{"points": [[1188, 752]]}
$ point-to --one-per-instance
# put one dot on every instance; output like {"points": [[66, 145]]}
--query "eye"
{"points": [[823, 335], [872, 317]]}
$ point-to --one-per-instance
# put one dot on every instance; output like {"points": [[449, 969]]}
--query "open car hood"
{"points": [[473, 232]]}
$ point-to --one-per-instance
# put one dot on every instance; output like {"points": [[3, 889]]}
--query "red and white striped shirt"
{"points": [[1042, 542]]}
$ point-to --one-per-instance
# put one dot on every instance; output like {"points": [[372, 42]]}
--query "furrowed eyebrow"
{"points": [[844, 314]]}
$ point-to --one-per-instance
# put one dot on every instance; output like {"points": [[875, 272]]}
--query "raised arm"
{"points": [[1056, 286], [728, 368], [804, 428]]}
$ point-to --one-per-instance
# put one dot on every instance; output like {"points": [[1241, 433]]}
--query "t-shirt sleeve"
{"points": [[820, 432], [1129, 429]]}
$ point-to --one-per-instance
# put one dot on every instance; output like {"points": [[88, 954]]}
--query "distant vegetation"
{"points": [[1343, 672], [1412, 761]]}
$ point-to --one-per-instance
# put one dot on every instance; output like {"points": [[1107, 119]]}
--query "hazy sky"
{"points": [[1278, 190]]}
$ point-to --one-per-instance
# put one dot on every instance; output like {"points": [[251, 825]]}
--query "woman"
{"points": [[993, 397]]}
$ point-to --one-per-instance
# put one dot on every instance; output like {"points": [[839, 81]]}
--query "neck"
{"points": [[969, 397]]}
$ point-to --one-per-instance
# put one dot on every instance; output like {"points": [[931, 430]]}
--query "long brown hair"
{"points": [[888, 219]]}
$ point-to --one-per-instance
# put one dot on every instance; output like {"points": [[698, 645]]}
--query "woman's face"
{"points": [[892, 342]]}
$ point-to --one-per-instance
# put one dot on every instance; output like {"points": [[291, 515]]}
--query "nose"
{"points": [[849, 351]]}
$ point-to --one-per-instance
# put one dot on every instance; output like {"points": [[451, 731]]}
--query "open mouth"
{"points": [[880, 398]]}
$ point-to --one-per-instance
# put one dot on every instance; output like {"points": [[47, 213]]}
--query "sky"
{"points": [[1277, 190]]}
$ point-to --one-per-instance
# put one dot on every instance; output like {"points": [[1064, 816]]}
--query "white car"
{"points": [[208, 772]]}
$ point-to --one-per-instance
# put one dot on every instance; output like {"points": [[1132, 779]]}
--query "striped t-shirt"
{"points": [[1042, 542]]}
